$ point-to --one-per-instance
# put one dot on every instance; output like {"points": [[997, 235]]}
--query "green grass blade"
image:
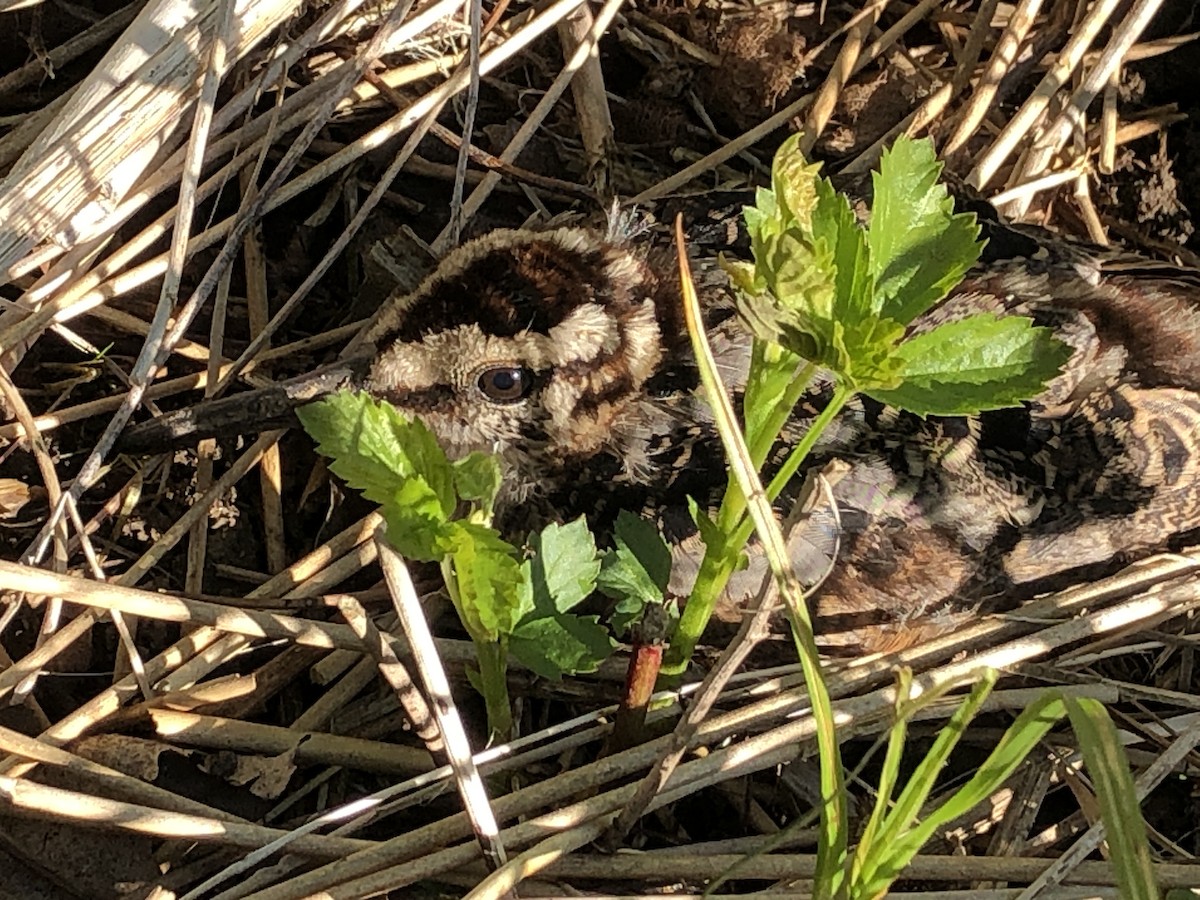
{"points": [[889, 777], [1108, 767], [1022, 736], [831, 851]]}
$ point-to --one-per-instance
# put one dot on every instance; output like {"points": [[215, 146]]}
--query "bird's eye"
{"points": [[505, 384]]}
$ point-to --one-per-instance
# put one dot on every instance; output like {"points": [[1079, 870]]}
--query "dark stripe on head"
{"points": [[615, 389], [420, 400], [528, 286]]}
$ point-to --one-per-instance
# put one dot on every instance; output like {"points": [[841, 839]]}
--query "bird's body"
{"points": [[564, 352], [598, 411]]}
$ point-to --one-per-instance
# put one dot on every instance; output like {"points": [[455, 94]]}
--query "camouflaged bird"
{"points": [[563, 351]]}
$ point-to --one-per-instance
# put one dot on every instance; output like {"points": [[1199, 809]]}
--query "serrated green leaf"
{"points": [[564, 566], [835, 227], [639, 565], [743, 275], [794, 183], [374, 448], [871, 349], [415, 524], [919, 249], [560, 645], [978, 363], [488, 579], [477, 478], [800, 274]]}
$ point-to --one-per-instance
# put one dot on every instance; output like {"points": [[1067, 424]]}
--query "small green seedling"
{"points": [[826, 293], [440, 511]]}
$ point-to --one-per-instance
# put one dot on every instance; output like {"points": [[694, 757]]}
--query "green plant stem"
{"points": [[493, 664], [493, 681], [721, 561]]}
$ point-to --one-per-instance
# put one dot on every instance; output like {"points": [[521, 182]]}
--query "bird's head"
{"points": [[533, 345]]}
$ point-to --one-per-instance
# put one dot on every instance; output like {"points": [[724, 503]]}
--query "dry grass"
{"points": [[133, 209]]}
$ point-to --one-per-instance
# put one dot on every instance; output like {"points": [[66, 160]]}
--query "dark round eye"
{"points": [[505, 384]]}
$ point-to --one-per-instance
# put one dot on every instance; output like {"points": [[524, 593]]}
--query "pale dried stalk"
{"points": [[393, 672], [327, 566], [197, 381], [591, 100], [474, 39], [271, 468], [145, 367], [246, 140], [198, 510], [1028, 189], [1034, 107], [315, 748], [477, 197], [999, 63], [1108, 125], [789, 867], [843, 70], [1073, 117], [15, 403], [28, 799], [935, 104], [15, 142], [471, 788], [504, 881], [109, 701], [184, 610], [107, 137], [102, 779], [124, 631]]}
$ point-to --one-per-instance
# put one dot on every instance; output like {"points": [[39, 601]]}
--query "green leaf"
{"points": [[477, 477], [640, 564], [794, 183], [919, 249], [415, 524], [835, 227], [564, 566], [743, 274], [488, 578], [921, 783], [978, 363], [374, 448], [564, 644], [1128, 846], [559, 575]]}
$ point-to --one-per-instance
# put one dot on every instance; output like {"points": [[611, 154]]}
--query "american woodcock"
{"points": [[564, 352]]}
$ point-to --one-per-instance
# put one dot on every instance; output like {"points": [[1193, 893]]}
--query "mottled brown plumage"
{"points": [[563, 352]]}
